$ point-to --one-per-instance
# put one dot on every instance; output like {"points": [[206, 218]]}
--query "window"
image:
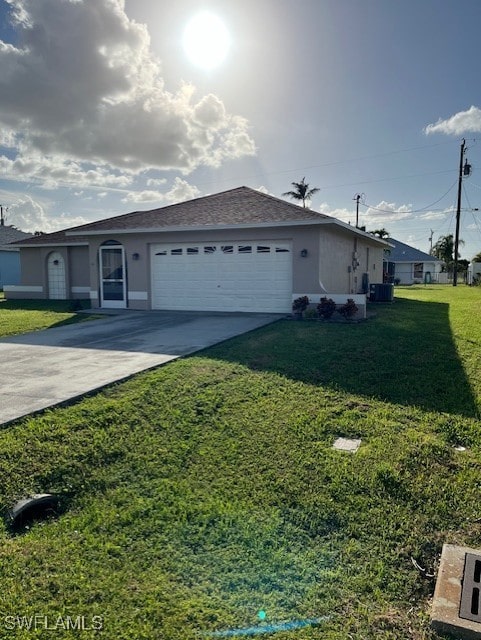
{"points": [[192, 251], [161, 253], [210, 249], [245, 248], [418, 270], [227, 248], [262, 249], [176, 252], [282, 250]]}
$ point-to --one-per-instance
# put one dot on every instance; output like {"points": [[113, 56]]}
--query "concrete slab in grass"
{"points": [[347, 444]]}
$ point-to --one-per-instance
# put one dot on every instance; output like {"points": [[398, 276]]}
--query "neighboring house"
{"points": [[239, 250], [404, 264], [10, 256], [474, 273]]}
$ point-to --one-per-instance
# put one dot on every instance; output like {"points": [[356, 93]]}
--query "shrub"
{"points": [[300, 304], [349, 309], [326, 308]]}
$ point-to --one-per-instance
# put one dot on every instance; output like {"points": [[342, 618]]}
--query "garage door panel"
{"points": [[222, 276]]}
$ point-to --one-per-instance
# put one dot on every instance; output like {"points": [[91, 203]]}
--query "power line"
{"points": [[413, 210], [392, 178], [338, 162], [476, 224]]}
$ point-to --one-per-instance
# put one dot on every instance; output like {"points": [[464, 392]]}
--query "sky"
{"points": [[113, 106]]}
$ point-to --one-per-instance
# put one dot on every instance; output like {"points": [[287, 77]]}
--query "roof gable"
{"points": [[11, 234], [234, 207], [240, 207], [401, 252]]}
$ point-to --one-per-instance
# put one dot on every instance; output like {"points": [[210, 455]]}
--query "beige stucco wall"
{"points": [[305, 270], [343, 258], [34, 274], [30, 266], [78, 266], [324, 269]]}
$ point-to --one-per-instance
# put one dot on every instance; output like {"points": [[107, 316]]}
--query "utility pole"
{"points": [[431, 243], [357, 197], [2, 219], [467, 170]]}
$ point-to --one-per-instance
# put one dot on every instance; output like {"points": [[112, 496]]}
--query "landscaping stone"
{"points": [[347, 444]]}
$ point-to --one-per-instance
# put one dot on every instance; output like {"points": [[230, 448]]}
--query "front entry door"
{"points": [[112, 278]]}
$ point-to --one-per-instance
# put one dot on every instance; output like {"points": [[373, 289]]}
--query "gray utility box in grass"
{"points": [[457, 599]]}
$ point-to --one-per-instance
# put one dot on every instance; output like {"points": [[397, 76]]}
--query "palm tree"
{"points": [[444, 250], [477, 257], [302, 191]]}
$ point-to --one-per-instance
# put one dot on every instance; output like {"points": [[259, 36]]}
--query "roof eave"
{"points": [[221, 227], [364, 234], [413, 260], [205, 227], [50, 244]]}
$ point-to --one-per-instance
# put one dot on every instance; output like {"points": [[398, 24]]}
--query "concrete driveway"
{"points": [[45, 368]]}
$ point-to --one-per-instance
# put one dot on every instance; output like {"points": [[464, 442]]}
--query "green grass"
{"points": [[200, 493], [21, 316]]}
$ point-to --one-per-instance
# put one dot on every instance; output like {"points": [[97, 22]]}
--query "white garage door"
{"points": [[222, 276]]}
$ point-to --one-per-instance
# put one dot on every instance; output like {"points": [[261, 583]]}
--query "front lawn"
{"points": [[21, 316], [205, 496]]}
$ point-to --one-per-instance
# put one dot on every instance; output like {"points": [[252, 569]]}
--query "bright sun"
{"points": [[206, 40]]}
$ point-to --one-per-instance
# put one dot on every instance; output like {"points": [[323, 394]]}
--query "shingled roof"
{"points": [[236, 206], [242, 206], [401, 252], [9, 234], [58, 238]]}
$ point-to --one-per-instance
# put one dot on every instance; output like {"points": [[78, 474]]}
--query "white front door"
{"points": [[112, 278]]}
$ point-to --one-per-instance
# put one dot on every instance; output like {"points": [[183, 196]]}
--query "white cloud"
{"points": [[462, 122], [54, 172], [143, 196], [387, 212], [8, 139], [180, 191], [436, 215], [29, 215], [345, 215], [384, 212], [210, 112], [156, 182], [82, 86]]}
